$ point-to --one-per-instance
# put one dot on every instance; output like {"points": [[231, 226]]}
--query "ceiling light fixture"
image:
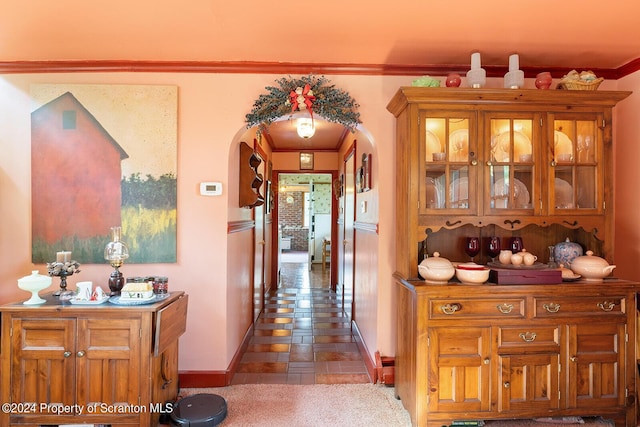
{"points": [[305, 128]]}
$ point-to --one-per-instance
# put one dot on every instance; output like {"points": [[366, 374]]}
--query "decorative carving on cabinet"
{"points": [[250, 179]]}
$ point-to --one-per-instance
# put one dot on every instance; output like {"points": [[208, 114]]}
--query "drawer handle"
{"points": [[552, 308], [505, 308], [528, 336], [81, 353], [66, 354], [607, 305], [450, 308]]}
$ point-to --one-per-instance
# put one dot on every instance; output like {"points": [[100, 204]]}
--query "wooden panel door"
{"points": [[108, 357], [43, 363], [459, 369], [596, 365], [529, 382]]}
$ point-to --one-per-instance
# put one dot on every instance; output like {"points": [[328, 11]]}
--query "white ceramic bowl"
{"points": [[472, 276]]}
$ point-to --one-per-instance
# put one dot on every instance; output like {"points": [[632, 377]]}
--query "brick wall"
{"points": [[290, 218]]}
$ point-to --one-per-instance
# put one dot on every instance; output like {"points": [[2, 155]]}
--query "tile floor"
{"points": [[303, 336]]}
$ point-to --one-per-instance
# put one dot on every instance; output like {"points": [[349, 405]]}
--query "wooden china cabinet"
{"points": [[502, 162]]}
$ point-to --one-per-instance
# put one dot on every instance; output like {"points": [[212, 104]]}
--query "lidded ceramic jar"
{"points": [[565, 252], [436, 270], [591, 268]]}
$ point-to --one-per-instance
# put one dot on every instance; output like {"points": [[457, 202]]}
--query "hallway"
{"points": [[303, 336]]}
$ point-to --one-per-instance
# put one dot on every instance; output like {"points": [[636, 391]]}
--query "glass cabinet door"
{"points": [[576, 151], [511, 158], [449, 153]]}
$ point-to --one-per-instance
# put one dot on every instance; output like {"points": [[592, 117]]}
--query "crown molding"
{"points": [[248, 67]]}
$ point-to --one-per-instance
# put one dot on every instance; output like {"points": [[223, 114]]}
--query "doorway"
{"points": [[304, 219]]}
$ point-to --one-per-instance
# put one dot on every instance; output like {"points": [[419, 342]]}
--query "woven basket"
{"points": [[580, 85]]}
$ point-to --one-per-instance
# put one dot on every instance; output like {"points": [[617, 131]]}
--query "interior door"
{"points": [[309, 205], [348, 242]]}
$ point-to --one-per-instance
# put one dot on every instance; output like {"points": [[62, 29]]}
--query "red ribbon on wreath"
{"points": [[302, 99]]}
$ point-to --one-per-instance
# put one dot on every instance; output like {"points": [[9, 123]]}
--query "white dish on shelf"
{"points": [[459, 145], [564, 194], [500, 146], [459, 192], [434, 194], [433, 145], [521, 196], [562, 143]]}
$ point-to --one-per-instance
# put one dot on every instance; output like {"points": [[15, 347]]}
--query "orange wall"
{"points": [[214, 266], [627, 177]]}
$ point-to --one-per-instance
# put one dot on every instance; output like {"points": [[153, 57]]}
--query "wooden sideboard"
{"points": [[95, 364], [503, 352]]}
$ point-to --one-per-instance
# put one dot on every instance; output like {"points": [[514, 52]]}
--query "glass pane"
{"points": [[458, 140], [586, 187], [435, 185], [563, 138], [500, 186], [564, 188], [511, 192], [449, 136], [511, 140], [523, 187], [458, 191], [434, 136], [585, 141]]}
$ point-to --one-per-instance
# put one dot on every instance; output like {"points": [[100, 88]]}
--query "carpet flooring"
{"points": [[321, 405]]}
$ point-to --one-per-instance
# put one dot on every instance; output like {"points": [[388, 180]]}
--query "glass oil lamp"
{"points": [[116, 252]]}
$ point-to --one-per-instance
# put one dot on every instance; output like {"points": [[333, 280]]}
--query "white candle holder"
{"points": [[476, 76]]}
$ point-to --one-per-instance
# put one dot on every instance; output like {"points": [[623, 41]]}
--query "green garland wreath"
{"points": [[312, 93]]}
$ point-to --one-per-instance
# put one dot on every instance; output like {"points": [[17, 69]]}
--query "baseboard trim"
{"points": [[368, 362], [204, 379]]}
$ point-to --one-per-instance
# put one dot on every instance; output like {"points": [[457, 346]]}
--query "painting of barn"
{"points": [[84, 180]]}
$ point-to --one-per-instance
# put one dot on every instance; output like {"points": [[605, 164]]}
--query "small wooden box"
{"points": [[504, 276]]}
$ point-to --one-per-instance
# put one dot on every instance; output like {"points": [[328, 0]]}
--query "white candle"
{"points": [[514, 62], [475, 60], [63, 256]]}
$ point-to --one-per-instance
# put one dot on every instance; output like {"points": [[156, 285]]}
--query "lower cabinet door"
{"points": [[529, 382], [108, 361], [596, 365], [459, 369], [43, 362]]}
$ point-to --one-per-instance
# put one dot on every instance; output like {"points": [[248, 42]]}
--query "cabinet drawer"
{"points": [[529, 338], [608, 306], [477, 308]]}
